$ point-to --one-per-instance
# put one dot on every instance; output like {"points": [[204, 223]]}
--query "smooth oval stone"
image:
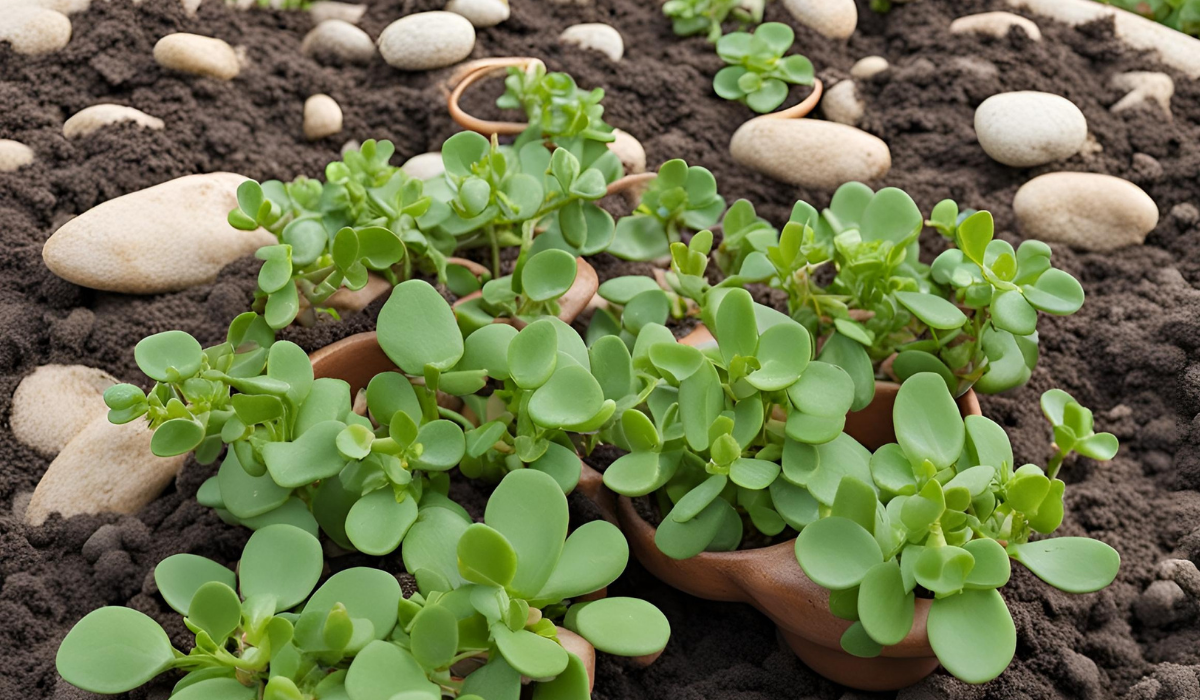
{"points": [[810, 152], [162, 239], [835, 19], [106, 468], [841, 103], [55, 403], [1143, 87], [595, 37], [630, 151], [322, 117], [14, 155], [424, 165], [868, 67], [427, 40], [199, 55], [324, 10], [481, 13], [337, 40], [34, 30], [995, 24], [1024, 129], [1085, 210], [91, 119]]}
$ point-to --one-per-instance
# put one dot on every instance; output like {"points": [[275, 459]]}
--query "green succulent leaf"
{"points": [[529, 509], [621, 626], [282, 562], [112, 650], [417, 329], [179, 576], [836, 552], [972, 634], [1072, 564]]}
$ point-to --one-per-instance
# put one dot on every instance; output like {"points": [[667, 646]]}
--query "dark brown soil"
{"points": [[1132, 354]]}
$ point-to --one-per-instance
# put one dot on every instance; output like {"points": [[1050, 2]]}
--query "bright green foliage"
{"points": [[555, 107], [1181, 15], [680, 199], [758, 73], [932, 511], [691, 17], [246, 641], [1073, 431], [970, 317]]}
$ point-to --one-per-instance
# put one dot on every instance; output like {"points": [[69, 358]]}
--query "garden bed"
{"points": [[1132, 353]]}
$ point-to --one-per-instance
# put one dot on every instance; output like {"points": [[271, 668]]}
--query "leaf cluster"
{"points": [[692, 17], [1074, 431], [555, 107], [1180, 15], [758, 73], [681, 198]]}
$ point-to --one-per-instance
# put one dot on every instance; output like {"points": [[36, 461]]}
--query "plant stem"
{"points": [[495, 244]]}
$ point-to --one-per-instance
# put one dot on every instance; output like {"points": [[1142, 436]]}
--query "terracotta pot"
{"points": [[570, 304], [771, 580]]}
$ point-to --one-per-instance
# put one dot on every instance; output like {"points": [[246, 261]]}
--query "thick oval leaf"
{"points": [[927, 420], [736, 329], [884, 606], [170, 356], [529, 654], [532, 355], [621, 626], [1012, 313], [639, 473], [487, 349], [176, 436], [444, 445], [972, 634], [486, 557], [496, 680], [852, 356], [433, 638], [943, 570], [311, 457], [892, 471], [991, 569], [823, 390], [857, 642], [530, 510], [548, 275], [572, 684], [593, 557], [783, 354], [417, 328], [687, 539], [755, 474], [933, 311], [248, 496], [368, 594], [179, 576], [216, 609], [382, 668], [112, 650], [432, 543], [216, 689], [1055, 292], [837, 553], [376, 524], [282, 562], [1071, 564], [570, 397]]}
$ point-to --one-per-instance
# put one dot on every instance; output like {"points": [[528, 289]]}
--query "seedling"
{"points": [[939, 513], [710, 431], [1074, 431], [758, 73], [971, 317], [691, 17], [556, 109], [682, 198], [491, 592], [251, 640]]}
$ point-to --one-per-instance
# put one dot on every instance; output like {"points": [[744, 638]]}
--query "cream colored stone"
{"points": [[481, 13], [1085, 210], [106, 468], [835, 19], [190, 7], [322, 117], [325, 10], [199, 55], [55, 403], [1174, 48], [162, 239], [33, 30], [579, 647], [868, 67], [427, 40], [1143, 87], [338, 40], [809, 152], [841, 103], [424, 165], [1026, 128], [66, 7], [995, 24], [14, 155], [630, 151], [90, 119], [595, 37]]}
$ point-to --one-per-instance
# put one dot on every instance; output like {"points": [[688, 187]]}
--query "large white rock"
{"points": [[596, 37], [34, 30], [835, 19], [66, 7], [810, 152], [322, 117], [481, 13], [424, 165], [995, 24], [338, 40], [162, 239], [1024, 129], [1085, 210], [14, 155], [1144, 86], [630, 151], [427, 40], [55, 403], [841, 103], [90, 119], [106, 468], [199, 55], [325, 10], [868, 67]]}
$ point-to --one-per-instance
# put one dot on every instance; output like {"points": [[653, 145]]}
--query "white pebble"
{"points": [[14, 155], [338, 40], [199, 55], [629, 150], [596, 37], [34, 30], [835, 19], [1025, 129], [427, 40], [994, 24], [90, 119], [841, 103], [424, 165], [322, 117], [868, 67], [810, 152], [55, 403], [481, 13], [1143, 87], [1085, 210], [325, 10]]}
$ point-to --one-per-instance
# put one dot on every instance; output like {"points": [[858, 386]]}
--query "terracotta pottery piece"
{"points": [[570, 304], [771, 580]]}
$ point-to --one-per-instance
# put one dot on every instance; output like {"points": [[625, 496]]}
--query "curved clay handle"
{"points": [[473, 72], [803, 108]]}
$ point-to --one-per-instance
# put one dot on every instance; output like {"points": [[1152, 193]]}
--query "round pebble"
{"points": [[1024, 129], [1085, 210], [1144, 87], [90, 119], [995, 24], [325, 10], [424, 165], [427, 40], [810, 152], [14, 155], [55, 402], [596, 37], [34, 30], [868, 67], [481, 13], [199, 55], [835, 19], [337, 40], [841, 103], [630, 151], [322, 117]]}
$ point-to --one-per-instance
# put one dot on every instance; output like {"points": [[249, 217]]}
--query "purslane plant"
{"points": [[691, 17], [682, 198], [1180, 15], [941, 511], [758, 73], [251, 640], [1074, 431], [558, 111], [971, 316]]}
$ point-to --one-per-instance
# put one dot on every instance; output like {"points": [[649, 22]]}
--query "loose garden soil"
{"points": [[1132, 353]]}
